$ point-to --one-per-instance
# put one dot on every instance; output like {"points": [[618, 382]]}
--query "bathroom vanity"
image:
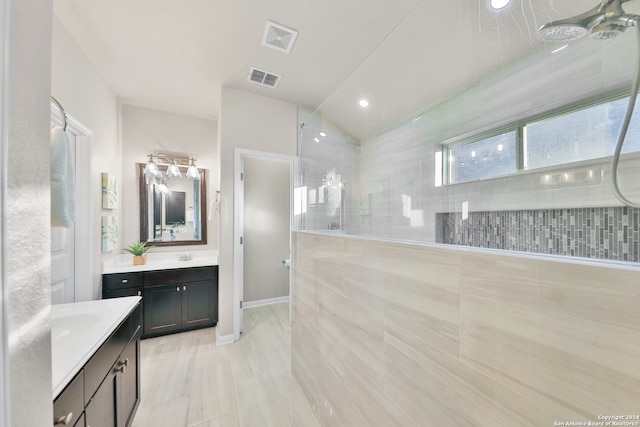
{"points": [[95, 362], [179, 292]]}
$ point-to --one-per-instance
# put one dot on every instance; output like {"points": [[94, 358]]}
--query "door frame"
{"points": [[238, 224], [5, 407]]}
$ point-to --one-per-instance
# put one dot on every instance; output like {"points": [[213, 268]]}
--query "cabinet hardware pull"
{"points": [[64, 420], [139, 293], [177, 288], [125, 281], [122, 364]]}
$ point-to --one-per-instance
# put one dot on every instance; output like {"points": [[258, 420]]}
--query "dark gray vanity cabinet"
{"points": [[173, 300], [180, 299], [106, 391]]}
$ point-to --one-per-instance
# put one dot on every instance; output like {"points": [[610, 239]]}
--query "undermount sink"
{"points": [[71, 323]]}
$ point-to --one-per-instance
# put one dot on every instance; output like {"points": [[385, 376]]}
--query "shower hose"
{"points": [[623, 131]]}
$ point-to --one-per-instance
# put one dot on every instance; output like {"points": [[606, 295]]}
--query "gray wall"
{"points": [[251, 122]]}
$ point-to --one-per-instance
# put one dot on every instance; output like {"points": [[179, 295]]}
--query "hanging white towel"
{"points": [[63, 180]]}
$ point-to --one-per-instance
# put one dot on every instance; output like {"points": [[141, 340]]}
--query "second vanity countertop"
{"points": [[161, 261], [77, 332]]}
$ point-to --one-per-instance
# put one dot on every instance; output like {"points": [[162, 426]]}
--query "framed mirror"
{"points": [[175, 215]]}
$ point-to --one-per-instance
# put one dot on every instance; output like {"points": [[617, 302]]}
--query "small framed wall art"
{"points": [[109, 191], [109, 233]]}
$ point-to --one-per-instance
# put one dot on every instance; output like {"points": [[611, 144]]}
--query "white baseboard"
{"points": [[263, 302], [224, 339]]}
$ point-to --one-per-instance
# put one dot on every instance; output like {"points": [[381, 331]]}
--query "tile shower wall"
{"points": [[611, 233], [396, 334]]}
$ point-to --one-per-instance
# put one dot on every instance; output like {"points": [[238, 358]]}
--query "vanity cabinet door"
{"points": [[198, 304], [101, 410], [115, 401], [128, 383], [163, 309]]}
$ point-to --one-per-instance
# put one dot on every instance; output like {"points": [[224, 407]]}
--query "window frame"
{"points": [[519, 127]]}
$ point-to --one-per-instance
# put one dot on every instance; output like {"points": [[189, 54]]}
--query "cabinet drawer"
{"points": [[180, 275], [102, 361], [70, 401], [122, 280], [128, 292]]}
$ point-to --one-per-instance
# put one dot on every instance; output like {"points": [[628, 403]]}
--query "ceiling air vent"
{"points": [[263, 77], [279, 37]]}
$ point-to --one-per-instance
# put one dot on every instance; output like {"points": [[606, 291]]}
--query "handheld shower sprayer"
{"points": [[605, 21]]}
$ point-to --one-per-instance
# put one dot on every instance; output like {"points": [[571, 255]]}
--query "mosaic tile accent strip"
{"points": [[611, 233]]}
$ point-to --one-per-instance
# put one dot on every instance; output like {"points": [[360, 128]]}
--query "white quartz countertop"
{"points": [[161, 261], [77, 332]]}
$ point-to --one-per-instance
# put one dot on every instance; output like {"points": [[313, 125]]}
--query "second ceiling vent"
{"points": [[262, 77], [279, 37]]}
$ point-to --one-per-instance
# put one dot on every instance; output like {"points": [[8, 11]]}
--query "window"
{"points": [[486, 158], [572, 135], [586, 134]]}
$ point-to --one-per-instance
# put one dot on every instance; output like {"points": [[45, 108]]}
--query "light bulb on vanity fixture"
{"points": [[151, 169], [192, 171], [173, 171], [162, 187]]}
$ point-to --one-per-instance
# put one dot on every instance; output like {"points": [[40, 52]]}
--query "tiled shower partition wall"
{"points": [[610, 233]]}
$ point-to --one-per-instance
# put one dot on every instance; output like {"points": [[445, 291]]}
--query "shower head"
{"points": [[607, 30], [606, 20]]}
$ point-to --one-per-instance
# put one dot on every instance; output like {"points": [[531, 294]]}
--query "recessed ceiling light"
{"points": [[316, 139], [323, 134], [363, 102], [499, 4]]}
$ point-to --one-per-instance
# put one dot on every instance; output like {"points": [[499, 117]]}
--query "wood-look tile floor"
{"points": [[186, 380]]}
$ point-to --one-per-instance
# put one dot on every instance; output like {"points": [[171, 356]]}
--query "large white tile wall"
{"points": [[425, 335]]}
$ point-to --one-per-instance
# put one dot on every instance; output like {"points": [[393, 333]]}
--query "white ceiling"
{"points": [[402, 54]]}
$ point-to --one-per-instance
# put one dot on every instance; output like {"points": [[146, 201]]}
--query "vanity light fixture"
{"points": [[173, 164]]}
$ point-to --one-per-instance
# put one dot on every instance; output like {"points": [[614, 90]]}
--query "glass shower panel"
{"points": [[372, 171], [329, 167]]}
